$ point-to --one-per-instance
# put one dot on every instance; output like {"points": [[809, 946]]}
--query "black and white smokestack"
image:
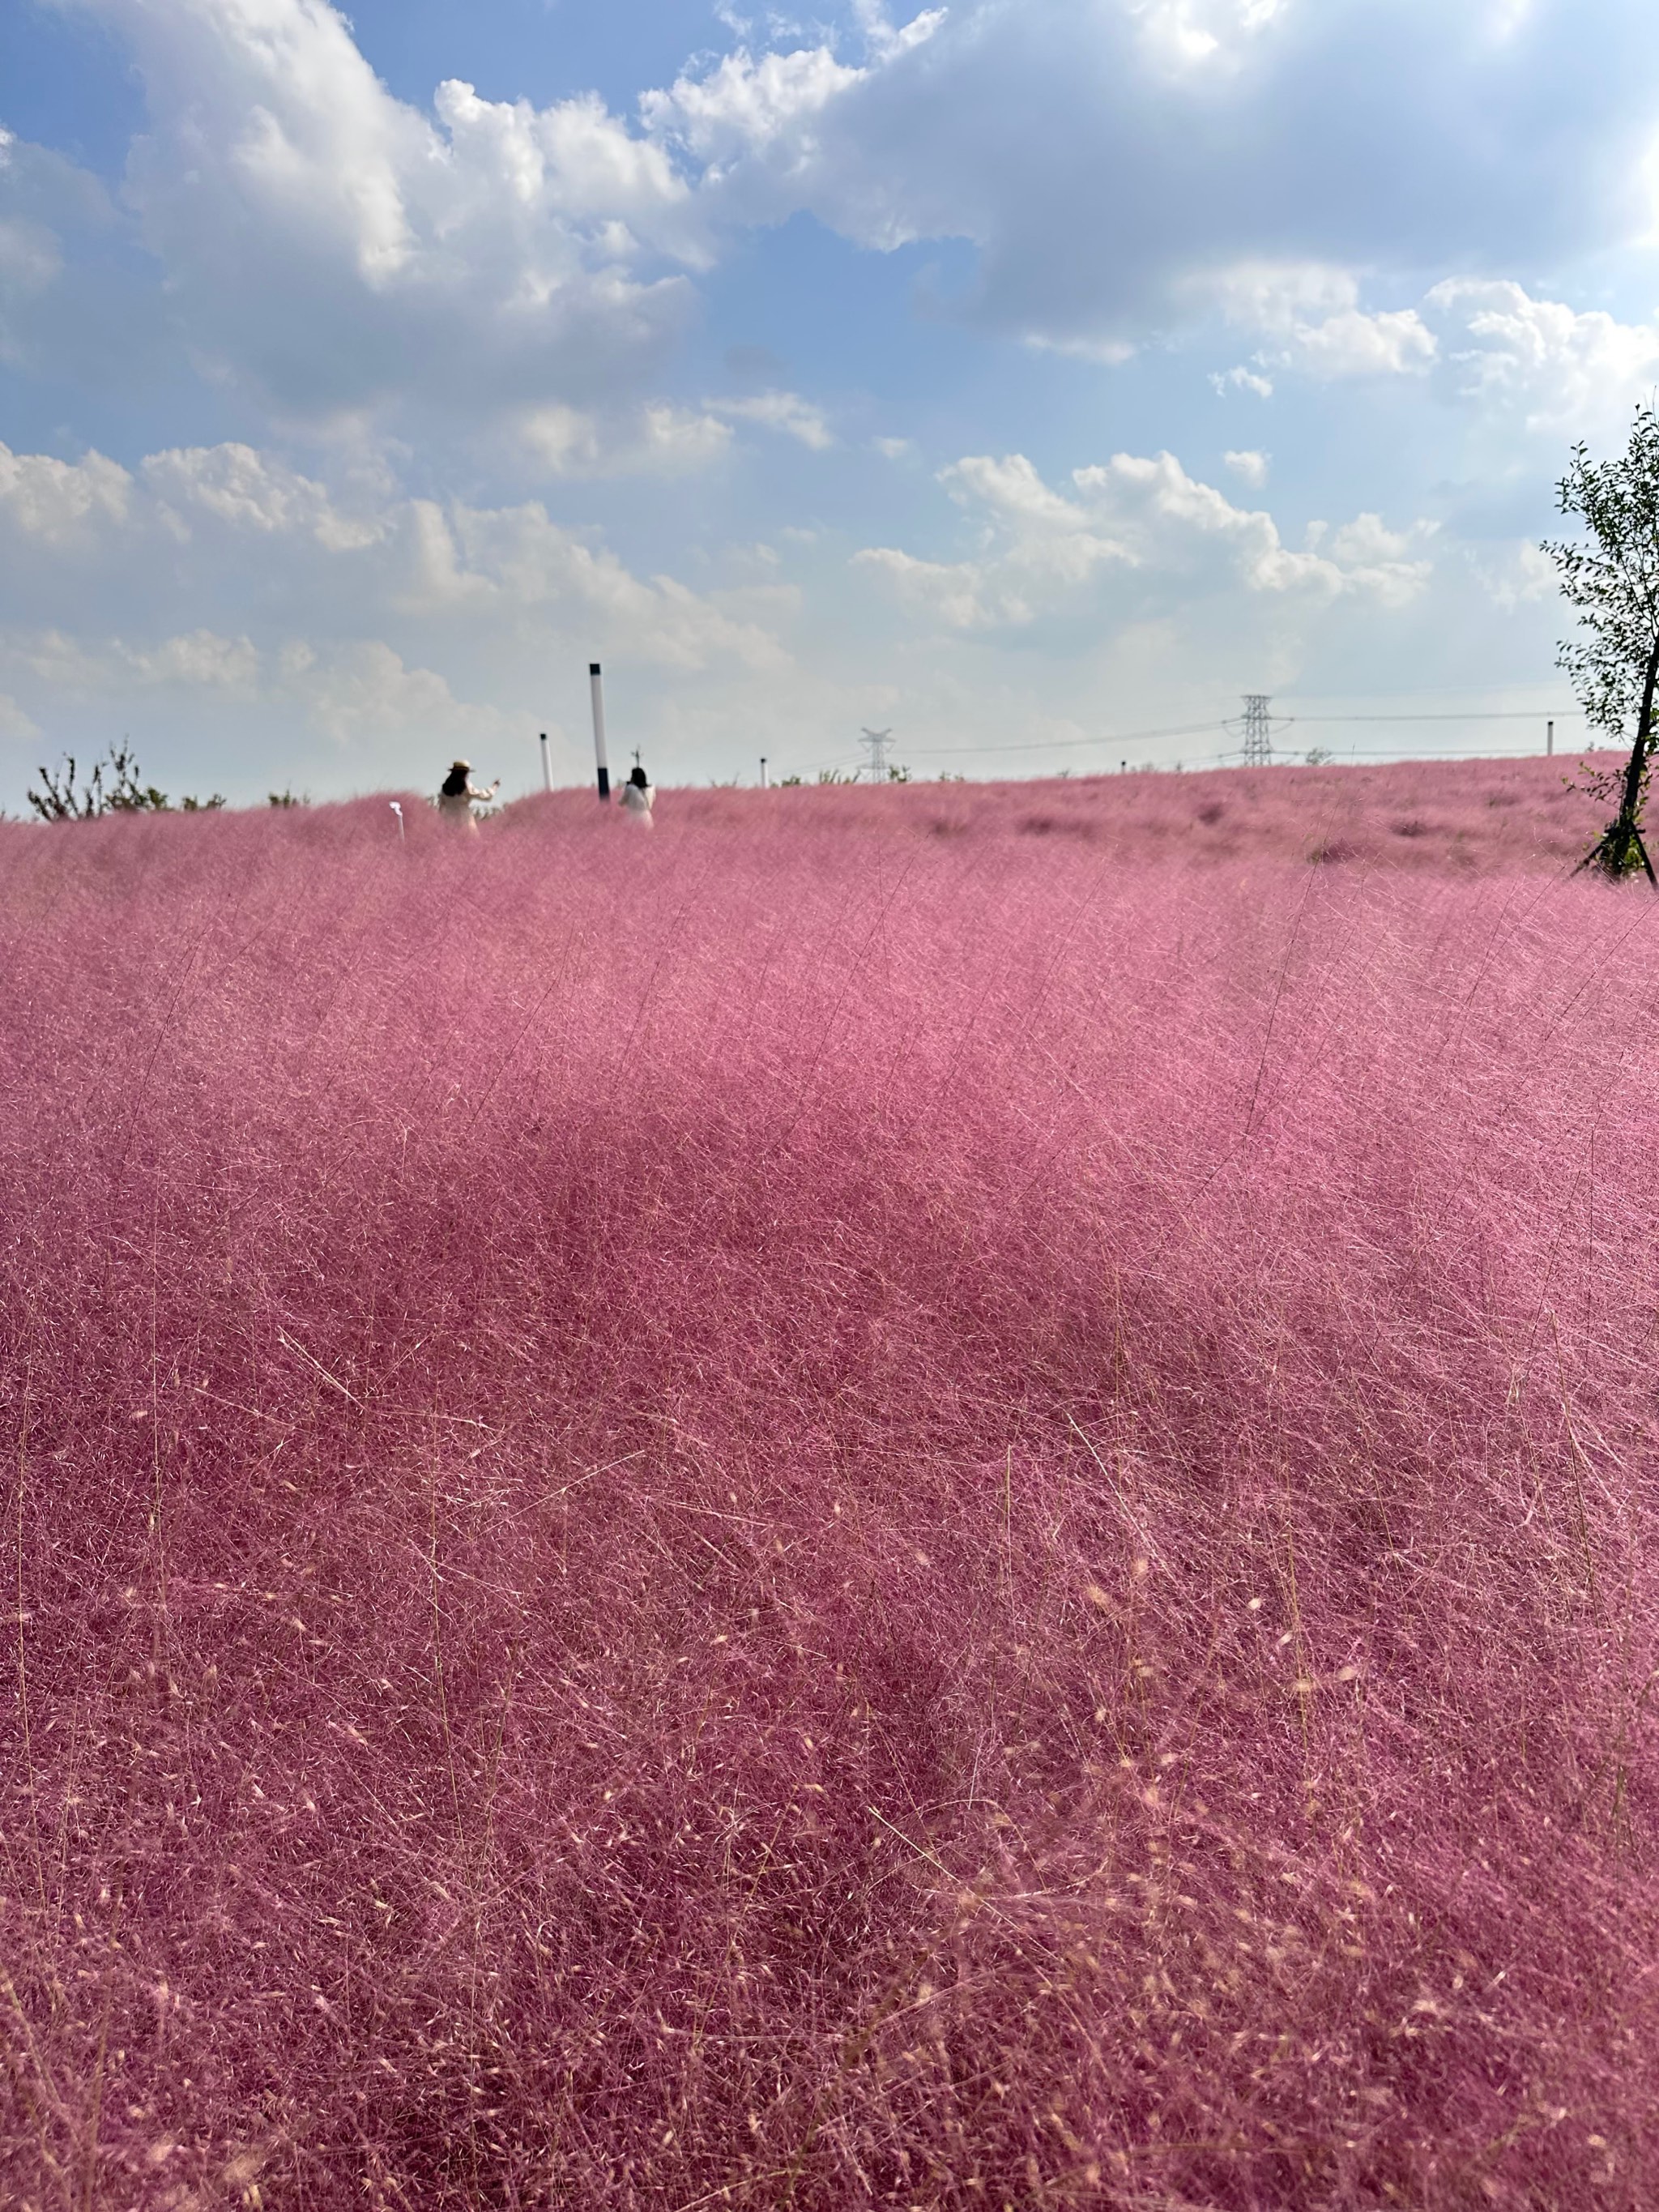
{"points": [[597, 683]]}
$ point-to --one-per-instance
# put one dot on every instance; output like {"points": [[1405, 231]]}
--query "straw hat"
{"points": [[466, 767]]}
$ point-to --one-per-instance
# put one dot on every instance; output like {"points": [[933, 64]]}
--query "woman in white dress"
{"points": [[456, 798], [638, 795]]}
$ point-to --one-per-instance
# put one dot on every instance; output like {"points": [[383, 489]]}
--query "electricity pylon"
{"points": [[1258, 730]]}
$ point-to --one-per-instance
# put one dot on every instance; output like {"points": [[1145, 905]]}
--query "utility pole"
{"points": [[877, 741], [1258, 734], [596, 686], [547, 765], [1549, 739], [764, 785]]}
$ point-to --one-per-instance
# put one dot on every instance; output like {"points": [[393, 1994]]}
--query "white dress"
{"points": [[636, 802], [455, 807]]}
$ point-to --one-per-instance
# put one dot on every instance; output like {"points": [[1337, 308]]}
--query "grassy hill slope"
{"points": [[808, 1513]]}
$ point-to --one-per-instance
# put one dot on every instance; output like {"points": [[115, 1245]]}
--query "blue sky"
{"points": [[1023, 374]]}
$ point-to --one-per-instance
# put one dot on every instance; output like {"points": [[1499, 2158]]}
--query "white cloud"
{"points": [[340, 255], [1489, 339], [1311, 316], [1013, 491], [1242, 379], [226, 517], [654, 440], [1561, 368], [58, 501], [1523, 575], [443, 307], [745, 106], [1135, 513], [352, 691], [30, 256], [78, 665], [351, 609], [202, 659], [64, 308], [960, 595], [1105, 353], [348, 258], [362, 689], [779, 411], [1209, 136], [15, 726], [1352, 343], [252, 492], [1173, 521]]}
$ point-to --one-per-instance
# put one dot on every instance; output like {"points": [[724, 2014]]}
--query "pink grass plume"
{"points": [[954, 1506]]}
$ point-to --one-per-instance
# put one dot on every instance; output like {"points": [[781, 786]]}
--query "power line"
{"points": [[1126, 738], [1198, 729], [1056, 745], [1388, 752], [1508, 714]]}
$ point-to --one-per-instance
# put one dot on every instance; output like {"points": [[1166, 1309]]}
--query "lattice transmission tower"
{"points": [[1258, 729], [877, 741]]}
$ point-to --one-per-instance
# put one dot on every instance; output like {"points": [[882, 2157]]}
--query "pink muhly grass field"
{"points": [[804, 1514]]}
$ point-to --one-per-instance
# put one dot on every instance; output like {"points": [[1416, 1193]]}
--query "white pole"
{"points": [[1549, 739], [547, 764], [398, 812], [764, 785], [596, 683]]}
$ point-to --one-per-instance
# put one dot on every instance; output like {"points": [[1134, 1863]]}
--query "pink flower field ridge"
{"points": [[939, 1496]]}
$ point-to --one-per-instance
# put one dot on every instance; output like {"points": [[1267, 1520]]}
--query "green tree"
{"points": [[1610, 577]]}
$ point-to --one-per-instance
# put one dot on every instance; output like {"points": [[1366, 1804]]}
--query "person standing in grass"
{"points": [[456, 798], [638, 796]]}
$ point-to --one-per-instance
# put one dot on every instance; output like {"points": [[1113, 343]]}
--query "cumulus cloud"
{"points": [[75, 664], [779, 411], [55, 501], [1310, 317], [339, 250], [1523, 574], [748, 109], [656, 439], [1242, 378], [1352, 343], [1139, 515], [362, 689], [222, 516], [15, 724], [202, 658], [351, 692], [339, 254], [70, 303], [1249, 464], [1487, 340], [369, 284], [1558, 368], [373, 612], [344, 257], [251, 493], [1184, 140]]}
